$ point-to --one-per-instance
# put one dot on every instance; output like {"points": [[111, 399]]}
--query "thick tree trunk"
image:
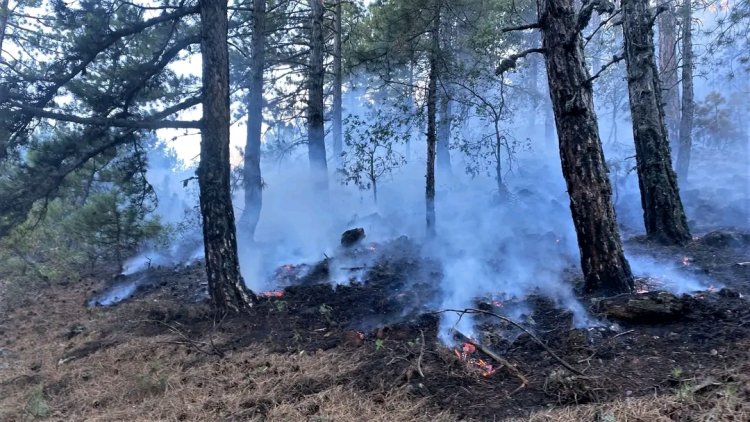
{"points": [[338, 81], [605, 269], [686, 122], [225, 285], [4, 15], [252, 175], [668, 72], [432, 122], [316, 107], [663, 213], [443, 155]]}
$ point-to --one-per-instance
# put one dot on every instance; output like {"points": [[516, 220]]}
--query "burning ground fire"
{"points": [[466, 355]]}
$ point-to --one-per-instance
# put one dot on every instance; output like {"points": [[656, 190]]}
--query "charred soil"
{"points": [[370, 350]]}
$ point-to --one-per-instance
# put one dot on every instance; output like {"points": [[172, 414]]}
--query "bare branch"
{"points": [[524, 27], [511, 61]]}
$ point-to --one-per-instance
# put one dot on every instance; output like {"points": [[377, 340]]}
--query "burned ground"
{"points": [[369, 350]]}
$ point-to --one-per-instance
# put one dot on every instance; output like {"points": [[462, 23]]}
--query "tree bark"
{"points": [[663, 214], [443, 155], [316, 107], [225, 284], [686, 121], [4, 15], [338, 81], [668, 72], [605, 269], [253, 181], [432, 121]]}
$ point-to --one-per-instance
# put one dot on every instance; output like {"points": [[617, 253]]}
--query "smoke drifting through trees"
{"points": [[395, 90]]}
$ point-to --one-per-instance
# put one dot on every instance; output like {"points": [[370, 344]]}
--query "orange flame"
{"points": [[272, 293]]}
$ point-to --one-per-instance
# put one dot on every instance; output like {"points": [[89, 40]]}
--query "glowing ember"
{"points": [[272, 293], [465, 355], [372, 247], [497, 303]]}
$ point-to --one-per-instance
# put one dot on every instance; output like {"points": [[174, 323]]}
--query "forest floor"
{"points": [[370, 351]]}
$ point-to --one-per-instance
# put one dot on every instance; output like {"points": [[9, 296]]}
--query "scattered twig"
{"points": [[522, 328], [499, 359], [623, 333], [421, 353], [187, 341]]}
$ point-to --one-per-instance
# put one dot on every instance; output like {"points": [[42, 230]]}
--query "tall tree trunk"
{"points": [[443, 154], [338, 81], [668, 72], [252, 174], [686, 122], [432, 121], [316, 107], [225, 284], [4, 15], [410, 106], [663, 213], [605, 269]]}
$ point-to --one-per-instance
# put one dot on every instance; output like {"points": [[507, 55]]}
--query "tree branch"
{"points": [[614, 60], [151, 123], [524, 27], [511, 61]]}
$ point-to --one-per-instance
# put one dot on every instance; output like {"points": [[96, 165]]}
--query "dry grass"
{"points": [[727, 398], [134, 376]]}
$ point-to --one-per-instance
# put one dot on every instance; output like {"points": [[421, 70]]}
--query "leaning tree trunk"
{"points": [[668, 72], [663, 213], [686, 122], [225, 284], [605, 269], [432, 122], [253, 181], [338, 81], [316, 107]]}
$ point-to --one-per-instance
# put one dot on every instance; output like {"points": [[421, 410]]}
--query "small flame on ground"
{"points": [[465, 355], [272, 293], [686, 260]]}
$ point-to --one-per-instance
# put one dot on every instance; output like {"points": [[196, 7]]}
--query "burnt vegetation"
{"points": [[374, 210]]}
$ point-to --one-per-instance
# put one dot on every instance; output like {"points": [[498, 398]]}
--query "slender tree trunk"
{"points": [[605, 269], [663, 214], [338, 81], [668, 72], [252, 173], [443, 154], [411, 107], [4, 15], [432, 121], [225, 284], [316, 107], [686, 122]]}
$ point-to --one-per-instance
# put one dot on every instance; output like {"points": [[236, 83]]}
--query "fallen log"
{"points": [[649, 307]]}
